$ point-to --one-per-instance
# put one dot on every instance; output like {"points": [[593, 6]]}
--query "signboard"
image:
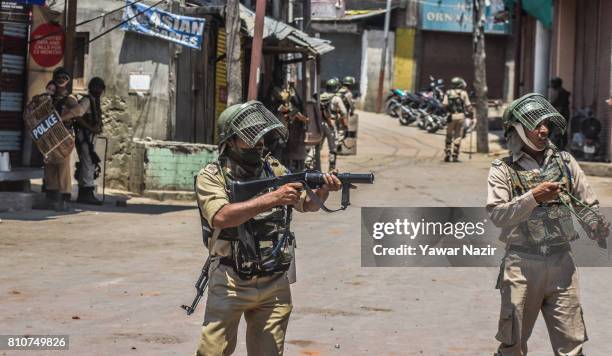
{"points": [[31, 2], [183, 30], [47, 44], [14, 11], [456, 16], [44, 126]]}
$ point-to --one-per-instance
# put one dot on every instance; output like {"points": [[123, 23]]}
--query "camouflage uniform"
{"points": [[538, 273], [332, 108], [265, 301], [457, 100]]}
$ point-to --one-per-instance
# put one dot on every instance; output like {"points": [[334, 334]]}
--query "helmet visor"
{"points": [[533, 110], [254, 121]]}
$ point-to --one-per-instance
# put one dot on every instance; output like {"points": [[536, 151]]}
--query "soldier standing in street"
{"points": [[57, 178], [291, 110], [457, 101], [532, 195], [88, 125], [335, 116], [346, 94], [248, 280]]}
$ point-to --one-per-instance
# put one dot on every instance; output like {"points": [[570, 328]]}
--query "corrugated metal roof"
{"points": [[282, 31], [354, 15]]}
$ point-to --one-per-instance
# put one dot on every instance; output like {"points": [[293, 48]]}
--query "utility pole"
{"points": [[383, 58], [233, 52], [71, 15], [480, 76], [260, 13]]}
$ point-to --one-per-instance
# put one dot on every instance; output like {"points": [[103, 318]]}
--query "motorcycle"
{"points": [[393, 102], [399, 105]]}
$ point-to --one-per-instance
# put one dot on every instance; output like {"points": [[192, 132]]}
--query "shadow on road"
{"points": [[112, 204]]}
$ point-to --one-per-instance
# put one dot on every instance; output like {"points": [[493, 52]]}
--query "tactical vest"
{"points": [[455, 102], [93, 117], [326, 107], [549, 223], [271, 242], [342, 92]]}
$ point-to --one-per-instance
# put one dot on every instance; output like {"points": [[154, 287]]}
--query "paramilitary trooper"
{"points": [[245, 279], [88, 125], [346, 94], [291, 110], [335, 117], [532, 195], [457, 101], [57, 178]]}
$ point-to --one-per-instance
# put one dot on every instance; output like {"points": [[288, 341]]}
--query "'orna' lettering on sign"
{"points": [[44, 126]]}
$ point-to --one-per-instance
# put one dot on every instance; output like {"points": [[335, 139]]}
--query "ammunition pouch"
{"points": [[550, 225]]}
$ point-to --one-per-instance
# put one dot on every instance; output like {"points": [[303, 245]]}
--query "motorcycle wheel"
{"points": [[391, 109], [432, 128]]}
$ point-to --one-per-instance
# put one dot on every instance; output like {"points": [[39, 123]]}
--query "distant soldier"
{"points": [[346, 93], [456, 101], [88, 125], [291, 110], [334, 115], [57, 178]]}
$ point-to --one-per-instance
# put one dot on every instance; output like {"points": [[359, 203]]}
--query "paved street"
{"points": [[113, 278]]}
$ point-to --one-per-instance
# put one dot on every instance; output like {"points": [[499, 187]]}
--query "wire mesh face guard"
{"points": [[254, 121], [531, 109]]}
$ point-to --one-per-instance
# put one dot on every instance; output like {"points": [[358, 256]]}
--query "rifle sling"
{"points": [[320, 203]]}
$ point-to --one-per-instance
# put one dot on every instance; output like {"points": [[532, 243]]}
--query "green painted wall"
{"points": [[174, 169]]}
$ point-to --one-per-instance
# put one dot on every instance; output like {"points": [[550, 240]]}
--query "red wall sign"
{"points": [[47, 45]]}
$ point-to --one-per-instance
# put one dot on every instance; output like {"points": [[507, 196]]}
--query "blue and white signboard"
{"points": [[29, 2], [456, 16], [184, 30]]}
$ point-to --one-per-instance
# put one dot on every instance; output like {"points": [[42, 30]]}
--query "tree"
{"points": [[480, 76]]}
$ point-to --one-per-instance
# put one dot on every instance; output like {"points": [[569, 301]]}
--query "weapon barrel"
{"points": [[358, 178], [316, 178]]}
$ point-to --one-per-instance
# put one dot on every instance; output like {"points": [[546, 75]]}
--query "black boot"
{"points": [[86, 196], [59, 202], [47, 202]]}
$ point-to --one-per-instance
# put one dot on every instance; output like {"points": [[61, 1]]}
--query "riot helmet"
{"points": [[530, 110], [458, 83], [250, 121], [332, 84], [348, 81]]}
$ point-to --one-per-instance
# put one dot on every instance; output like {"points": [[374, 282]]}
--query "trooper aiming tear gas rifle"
{"points": [[246, 202]]}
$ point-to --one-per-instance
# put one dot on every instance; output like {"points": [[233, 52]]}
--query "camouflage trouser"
{"points": [[530, 284], [454, 134], [330, 136], [265, 303]]}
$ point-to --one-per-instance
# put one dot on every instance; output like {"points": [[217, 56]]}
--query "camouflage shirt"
{"points": [[212, 196]]}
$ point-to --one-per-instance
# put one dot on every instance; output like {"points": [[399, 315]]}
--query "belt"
{"points": [[543, 250]]}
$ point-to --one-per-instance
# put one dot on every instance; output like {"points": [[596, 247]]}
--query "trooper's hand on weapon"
{"points": [[546, 191], [332, 183], [288, 194]]}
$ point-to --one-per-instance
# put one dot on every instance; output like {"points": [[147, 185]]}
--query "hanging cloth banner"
{"points": [[183, 30]]}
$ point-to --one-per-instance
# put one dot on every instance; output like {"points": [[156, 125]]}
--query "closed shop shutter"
{"points": [[449, 54]]}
